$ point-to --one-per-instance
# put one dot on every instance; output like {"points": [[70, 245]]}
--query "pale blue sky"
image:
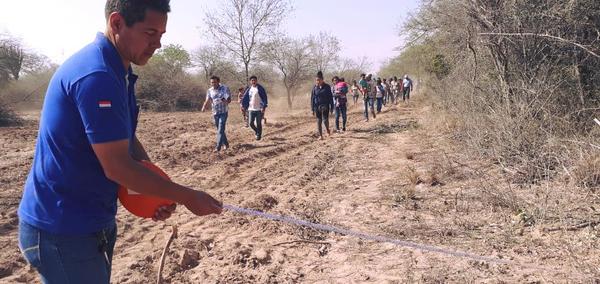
{"points": [[58, 28]]}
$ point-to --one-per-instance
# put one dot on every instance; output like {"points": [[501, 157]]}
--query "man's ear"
{"points": [[116, 22]]}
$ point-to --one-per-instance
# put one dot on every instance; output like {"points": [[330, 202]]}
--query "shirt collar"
{"points": [[112, 57]]}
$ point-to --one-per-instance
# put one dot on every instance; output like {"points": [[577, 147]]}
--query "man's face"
{"points": [[139, 41], [253, 82], [214, 83], [319, 81]]}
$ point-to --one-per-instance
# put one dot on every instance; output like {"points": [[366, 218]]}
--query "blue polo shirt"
{"points": [[90, 100]]}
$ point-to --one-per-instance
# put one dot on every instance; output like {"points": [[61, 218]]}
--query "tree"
{"points": [[240, 26], [211, 61], [324, 51], [11, 58], [349, 68], [167, 84], [291, 58]]}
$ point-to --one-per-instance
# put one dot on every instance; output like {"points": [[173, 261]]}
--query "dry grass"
{"points": [[412, 176], [586, 172]]}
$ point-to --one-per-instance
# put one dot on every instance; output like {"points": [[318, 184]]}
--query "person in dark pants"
{"points": [[407, 87], [255, 101], [87, 146], [321, 103], [341, 102], [379, 94]]}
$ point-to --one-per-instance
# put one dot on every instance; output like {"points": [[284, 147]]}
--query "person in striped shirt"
{"points": [[219, 97]]}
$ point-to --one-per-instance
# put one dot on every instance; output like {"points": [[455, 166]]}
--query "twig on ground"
{"points": [[302, 241], [164, 253], [574, 227]]}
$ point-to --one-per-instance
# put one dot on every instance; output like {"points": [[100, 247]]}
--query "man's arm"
{"points": [[139, 153], [206, 102], [121, 168]]}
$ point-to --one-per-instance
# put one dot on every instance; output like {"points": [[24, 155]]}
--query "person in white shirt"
{"points": [[255, 102], [407, 87]]}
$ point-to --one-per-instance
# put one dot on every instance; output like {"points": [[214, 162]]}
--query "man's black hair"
{"points": [[213, 77], [320, 75], [253, 77], [363, 75], [135, 10]]}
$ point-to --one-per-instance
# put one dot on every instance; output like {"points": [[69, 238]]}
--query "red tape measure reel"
{"points": [[143, 205]]}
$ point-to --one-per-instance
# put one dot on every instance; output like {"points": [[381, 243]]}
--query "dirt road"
{"points": [[385, 177]]}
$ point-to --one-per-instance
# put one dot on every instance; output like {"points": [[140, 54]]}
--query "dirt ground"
{"points": [[393, 176]]}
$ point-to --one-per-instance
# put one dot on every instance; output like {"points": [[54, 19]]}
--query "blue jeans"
{"points": [[255, 122], [340, 111], [369, 105], [68, 258], [220, 122], [379, 104]]}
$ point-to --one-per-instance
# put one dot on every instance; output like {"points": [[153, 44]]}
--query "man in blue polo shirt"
{"points": [[87, 146]]}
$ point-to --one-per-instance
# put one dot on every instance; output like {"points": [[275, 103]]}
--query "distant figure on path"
{"points": [[240, 96], [367, 85], [379, 91], [355, 89], [341, 102], [322, 104], [407, 87]]}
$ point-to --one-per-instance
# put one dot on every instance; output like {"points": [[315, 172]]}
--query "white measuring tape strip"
{"points": [[422, 247], [597, 121]]}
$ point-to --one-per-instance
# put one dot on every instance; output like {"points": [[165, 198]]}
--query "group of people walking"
{"points": [[378, 92], [327, 99]]}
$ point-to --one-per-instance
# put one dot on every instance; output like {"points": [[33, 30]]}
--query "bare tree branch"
{"points": [[545, 36]]}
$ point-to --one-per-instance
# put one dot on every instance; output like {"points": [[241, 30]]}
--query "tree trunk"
{"points": [[289, 98]]}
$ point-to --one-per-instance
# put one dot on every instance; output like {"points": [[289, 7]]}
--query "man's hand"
{"points": [[202, 204], [164, 212]]}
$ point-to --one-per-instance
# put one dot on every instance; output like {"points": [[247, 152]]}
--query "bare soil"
{"points": [[394, 176]]}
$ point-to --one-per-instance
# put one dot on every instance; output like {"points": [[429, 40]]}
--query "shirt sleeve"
{"points": [[102, 104], [227, 93]]}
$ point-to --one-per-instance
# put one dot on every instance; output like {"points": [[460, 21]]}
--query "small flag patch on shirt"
{"points": [[104, 104]]}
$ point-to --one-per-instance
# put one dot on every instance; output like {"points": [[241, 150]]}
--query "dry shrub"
{"points": [[8, 117], [412, 176], [586, 172], [509, 97], [404, 193]]}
